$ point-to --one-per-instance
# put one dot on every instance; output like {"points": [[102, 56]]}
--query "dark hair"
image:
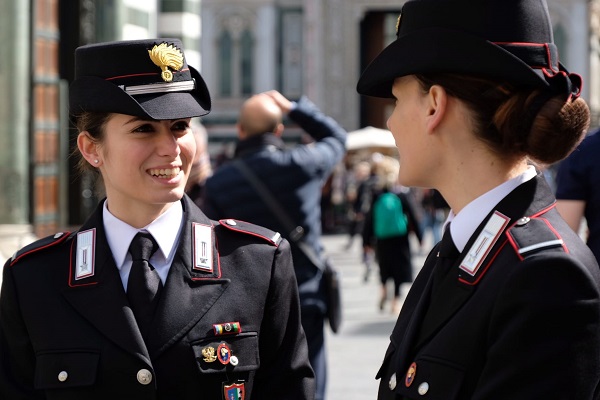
{"points": [[93, 123], [518, 121]]}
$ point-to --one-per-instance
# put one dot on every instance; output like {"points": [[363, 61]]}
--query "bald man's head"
{"points": [[259, 114]]}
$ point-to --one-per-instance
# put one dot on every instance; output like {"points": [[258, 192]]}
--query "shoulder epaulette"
{"points": [[256, 230], [39, 245], [531, 235]]}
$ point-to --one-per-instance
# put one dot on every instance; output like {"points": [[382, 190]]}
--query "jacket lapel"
{"points": [[415, 305], [188, 293], [100, 297]]}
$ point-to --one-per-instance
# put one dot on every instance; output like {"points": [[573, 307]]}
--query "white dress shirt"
{"points": [[119, 235]]}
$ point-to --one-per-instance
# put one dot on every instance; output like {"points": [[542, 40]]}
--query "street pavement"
{"points": [[355, 353]]}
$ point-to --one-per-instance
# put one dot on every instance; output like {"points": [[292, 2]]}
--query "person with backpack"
{"points": [[387, 226]]}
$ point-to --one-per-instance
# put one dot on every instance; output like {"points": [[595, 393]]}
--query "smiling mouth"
{"points": [[165, 173]]}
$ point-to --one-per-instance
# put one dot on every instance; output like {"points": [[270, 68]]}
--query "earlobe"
{"points": [[88, 148]]}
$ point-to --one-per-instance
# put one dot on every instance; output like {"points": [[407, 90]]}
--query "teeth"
{"points": [[165, 172]]}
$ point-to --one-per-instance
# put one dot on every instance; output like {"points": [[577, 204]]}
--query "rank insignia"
{"points": [[234, 391], [226, 328], [224, 353], [166, 56], [86, 244], [410, 374], [203, 246], [484, 243], [209, 354]]}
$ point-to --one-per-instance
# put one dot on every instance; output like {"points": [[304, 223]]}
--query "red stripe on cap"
{"points": [[144, 74]]}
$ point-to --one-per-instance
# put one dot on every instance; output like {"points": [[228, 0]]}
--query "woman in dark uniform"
{"points": [[149, 299], [507, 305]]}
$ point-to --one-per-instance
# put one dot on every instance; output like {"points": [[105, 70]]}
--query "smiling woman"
{"points": [[149, 299]]}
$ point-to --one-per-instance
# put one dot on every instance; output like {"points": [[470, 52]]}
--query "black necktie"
{"points": [[144, 285], [441, 275], [447, 254]]}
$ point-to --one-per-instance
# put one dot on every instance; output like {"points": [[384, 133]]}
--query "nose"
{"points": [[167, 143]]}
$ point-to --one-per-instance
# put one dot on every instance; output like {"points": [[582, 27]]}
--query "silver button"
{"points": [[523, 221], [144, 376], [59, 234], [230, 222], [234, 361], [62, 376], [392, 383], [423, 388]]}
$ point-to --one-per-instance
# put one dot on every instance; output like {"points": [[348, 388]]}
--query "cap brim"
{"points": [[443, 51], [90, 93]]}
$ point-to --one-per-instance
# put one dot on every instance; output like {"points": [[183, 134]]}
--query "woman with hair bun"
{"points": [[507, 305]]}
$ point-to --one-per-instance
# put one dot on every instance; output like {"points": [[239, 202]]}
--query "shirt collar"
{"points": [[119, 234], [469, 218]]}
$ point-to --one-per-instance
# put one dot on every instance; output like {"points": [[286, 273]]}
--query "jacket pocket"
{"points": [[228, 353], [433, 379], [65, 369]]}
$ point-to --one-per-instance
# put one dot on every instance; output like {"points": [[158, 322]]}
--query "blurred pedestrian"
{"points": [[434, 209], [149, 299], [388, 223], [295, 177], [578, 190], [201, 167], [507, 305], [365, 180]]}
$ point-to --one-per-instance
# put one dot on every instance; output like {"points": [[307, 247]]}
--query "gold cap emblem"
{"points": [[398, 24], [166, 56]]}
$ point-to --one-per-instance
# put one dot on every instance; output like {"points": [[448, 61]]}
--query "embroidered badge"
{"points": [[410, 374], [484, 243], [234, 391], [224, 353], [86, 245], [228, 327], [209, 354], [203, 246], [166, 56]]}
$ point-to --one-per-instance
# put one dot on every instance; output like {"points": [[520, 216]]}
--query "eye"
{"points": [[144, 128], [180, 125]]}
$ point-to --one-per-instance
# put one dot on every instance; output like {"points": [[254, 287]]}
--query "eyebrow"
{"points": [[141, 119]]}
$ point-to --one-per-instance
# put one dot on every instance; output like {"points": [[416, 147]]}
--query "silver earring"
{"points": [[96, 161]]}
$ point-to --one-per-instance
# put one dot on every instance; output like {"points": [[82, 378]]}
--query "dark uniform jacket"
{"points": [[295, 176], [525, 326], [62, 338]]}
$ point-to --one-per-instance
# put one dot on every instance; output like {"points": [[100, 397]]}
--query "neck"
{"points": [[474, 176]]}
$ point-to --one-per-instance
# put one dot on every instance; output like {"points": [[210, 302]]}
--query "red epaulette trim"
{"points": [[266, 234], [39, 245]]}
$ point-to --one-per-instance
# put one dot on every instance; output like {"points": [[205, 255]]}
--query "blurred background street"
{"points": [[355, 353]]}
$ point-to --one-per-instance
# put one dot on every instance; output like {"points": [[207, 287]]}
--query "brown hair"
{"points": [[93, 123], [516, 121]]}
